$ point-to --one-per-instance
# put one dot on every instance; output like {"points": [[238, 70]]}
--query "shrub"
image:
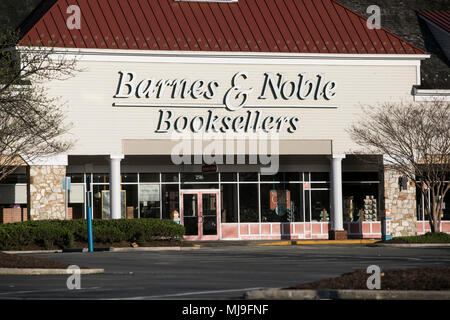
{"points": [[63, 233], [430, 237]]}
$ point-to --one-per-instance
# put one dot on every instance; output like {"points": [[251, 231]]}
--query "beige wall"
{"points": [[99, 128]]}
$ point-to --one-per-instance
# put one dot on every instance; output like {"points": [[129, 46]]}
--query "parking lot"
{"points": [[211, 273]]}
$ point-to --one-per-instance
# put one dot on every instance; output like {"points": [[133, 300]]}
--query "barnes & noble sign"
{"points": [[201, 93]]}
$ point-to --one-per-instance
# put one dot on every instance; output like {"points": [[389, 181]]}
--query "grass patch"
{"points": [[429, 237]]}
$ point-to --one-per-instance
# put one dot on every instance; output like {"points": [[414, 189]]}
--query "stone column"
{"points": [[401, 204], [337, 231], [46, 198], [114, 185]]}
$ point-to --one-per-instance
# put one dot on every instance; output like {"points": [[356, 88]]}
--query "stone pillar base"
{"points": [[337, 235]]}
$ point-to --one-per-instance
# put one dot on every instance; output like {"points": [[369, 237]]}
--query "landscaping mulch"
{"points": [[432, 278], [16, 261]]}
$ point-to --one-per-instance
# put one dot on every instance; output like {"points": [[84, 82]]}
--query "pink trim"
{"points": [[230, 231]]}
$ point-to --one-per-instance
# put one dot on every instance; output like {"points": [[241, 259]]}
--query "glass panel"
{"points": [[106, 204], [199, 186], [209, 207], [76, 193], [281, 176], [320, 176], [355, 204], [320, 185], [307, 206], [248, 176], [76, 177], [148, 177], [445, 215], [248, 200], [190, 214], [77, 210], [169, 177], [129, 177], [360, 176], [131, 209], [97, 203], [228, 176], [170, 199], [149, 200], [320, 202], [14, 178], [200, 177], [101, 178], [229, 202], [280, 203]]}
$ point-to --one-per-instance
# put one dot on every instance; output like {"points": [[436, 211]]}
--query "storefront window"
{"points": [[131, 200], [100, 177], [229, 203], [200, 177], [169, 177], [248, 176], [76, 177], [281, 176], [248, 200], [76, 200], [149, 202], [320, 203], [170, 199], [149, 177], [14, 178], [129, 177], [228, 177], [280, 202], [307, 205], [99, 208], [360, 201], [320, 176]]}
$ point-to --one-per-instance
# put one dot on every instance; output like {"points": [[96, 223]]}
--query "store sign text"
{"points": [[237, 96]]}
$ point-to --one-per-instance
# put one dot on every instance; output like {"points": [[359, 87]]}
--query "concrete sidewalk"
{"points": [[281, 294], [225, 243]]}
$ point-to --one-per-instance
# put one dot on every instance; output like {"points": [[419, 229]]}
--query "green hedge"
{"points": [[430, 237], [63, 233]]}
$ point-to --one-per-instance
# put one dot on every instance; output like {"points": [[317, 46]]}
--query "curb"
{"points": [[411, 245], [279, 294], [41, 272], [315, 242], [154, 249], [111, 249], [33, 251]]}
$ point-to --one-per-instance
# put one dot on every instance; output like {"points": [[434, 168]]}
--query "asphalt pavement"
{"points": [[211, 272]]}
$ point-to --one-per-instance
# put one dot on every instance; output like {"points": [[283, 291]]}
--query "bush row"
{"points": [[63, 233]]}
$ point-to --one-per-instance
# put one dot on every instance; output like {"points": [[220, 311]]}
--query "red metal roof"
{"points": [[288, 26], [439, 17]]}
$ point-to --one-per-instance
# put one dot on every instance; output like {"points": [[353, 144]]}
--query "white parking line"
{"points": [[189, 294]]}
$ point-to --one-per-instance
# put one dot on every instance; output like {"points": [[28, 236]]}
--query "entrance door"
{"points": [[200, 214]]}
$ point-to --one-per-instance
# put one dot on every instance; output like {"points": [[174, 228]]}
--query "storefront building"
{"points": [[231, 116]]}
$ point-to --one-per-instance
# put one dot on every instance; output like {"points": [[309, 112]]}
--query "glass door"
{"points": [[200, 214]]}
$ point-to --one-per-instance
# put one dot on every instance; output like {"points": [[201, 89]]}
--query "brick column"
{"points": [[401, 203], [46, 198]]}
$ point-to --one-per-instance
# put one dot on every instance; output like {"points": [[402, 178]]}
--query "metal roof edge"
{"points": [[225, 54]]}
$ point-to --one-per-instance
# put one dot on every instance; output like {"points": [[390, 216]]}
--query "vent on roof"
{"points": [[208, 0]]}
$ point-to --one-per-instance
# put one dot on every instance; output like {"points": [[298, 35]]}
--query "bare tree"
{"points": [[31, 122], [415, 140]]}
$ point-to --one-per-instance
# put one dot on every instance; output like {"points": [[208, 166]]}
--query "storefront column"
{"points": [[337, 231], [114, 185]]}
